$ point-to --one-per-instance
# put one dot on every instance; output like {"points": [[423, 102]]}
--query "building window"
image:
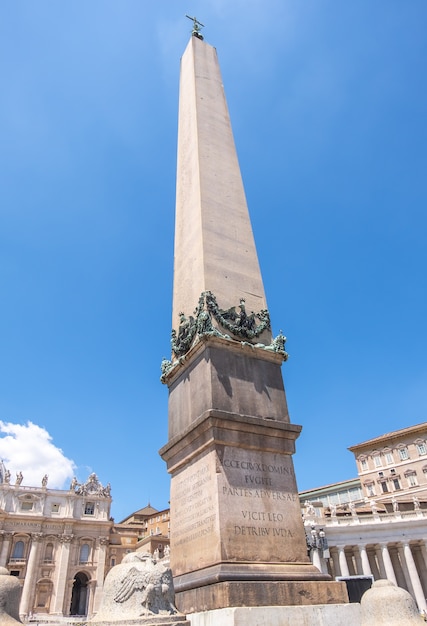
{"points": [[90, 508], [84, 553], [113, 562], [27, 505], [18, 550], [396, 484], [48, 554], [389, 458], [403, 453], [392, 471], [421, 447], [363, 465], [15, 572], [384, 486], [412, 480], [55, 508], [381, 474], [43, 595], [377, 461], [411, 477], [371, 490]]}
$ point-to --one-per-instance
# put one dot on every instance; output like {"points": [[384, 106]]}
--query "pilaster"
{"points": [[5, 547], [100, 575], [61, 574]]}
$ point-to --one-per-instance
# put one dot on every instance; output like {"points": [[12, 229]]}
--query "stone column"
{"points": [[96, 591], [344, 571], [388, 565], [7, 537], [357, 561], [61, 574], [415, 579], [366, 568], [335, 563], [30, 575], [316, 559], [423, 547]]}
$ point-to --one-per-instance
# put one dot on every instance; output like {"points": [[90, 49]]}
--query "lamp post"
{"points": [[318, 548]]}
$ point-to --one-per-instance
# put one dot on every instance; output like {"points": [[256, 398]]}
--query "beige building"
{"points": [[375, 525], [394, 464], [61, 544], [146, 529], [55, 542]]}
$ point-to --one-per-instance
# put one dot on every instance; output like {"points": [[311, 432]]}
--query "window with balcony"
{"points": [[18, 550]]}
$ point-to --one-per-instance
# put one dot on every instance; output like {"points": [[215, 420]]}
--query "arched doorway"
{"points": [[79, 596]]}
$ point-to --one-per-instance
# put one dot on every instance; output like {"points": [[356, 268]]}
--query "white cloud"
{"points": [[28, 448]]}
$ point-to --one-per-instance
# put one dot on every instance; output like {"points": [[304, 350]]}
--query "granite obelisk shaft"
{"points": [[214, 244]]}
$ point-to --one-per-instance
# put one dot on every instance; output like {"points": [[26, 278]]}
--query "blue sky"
{"points": [[328, 101]]}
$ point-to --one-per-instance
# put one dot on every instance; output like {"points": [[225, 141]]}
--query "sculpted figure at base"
{"points": [[137, 591], [10, 595]]}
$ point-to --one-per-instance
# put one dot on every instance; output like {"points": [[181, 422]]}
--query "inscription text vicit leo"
{"points": [[258, 494]]}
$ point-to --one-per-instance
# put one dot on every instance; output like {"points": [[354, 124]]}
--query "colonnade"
{"points": [[402, 562]]}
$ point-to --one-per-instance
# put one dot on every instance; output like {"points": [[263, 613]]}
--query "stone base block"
{"points": [[260, 594], [321, 615], [151, 620]]}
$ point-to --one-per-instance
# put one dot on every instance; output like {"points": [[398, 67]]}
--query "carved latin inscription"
{"points": [[261, 503], [194, 510]]}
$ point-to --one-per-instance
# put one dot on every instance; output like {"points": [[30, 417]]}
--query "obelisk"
{"points": [[237, 537]]}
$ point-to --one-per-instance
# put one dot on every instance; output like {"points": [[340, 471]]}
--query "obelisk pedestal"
{"points": [[237, 537]]}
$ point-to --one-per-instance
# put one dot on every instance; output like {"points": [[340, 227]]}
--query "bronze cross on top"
{"points": [[197, 27]]}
